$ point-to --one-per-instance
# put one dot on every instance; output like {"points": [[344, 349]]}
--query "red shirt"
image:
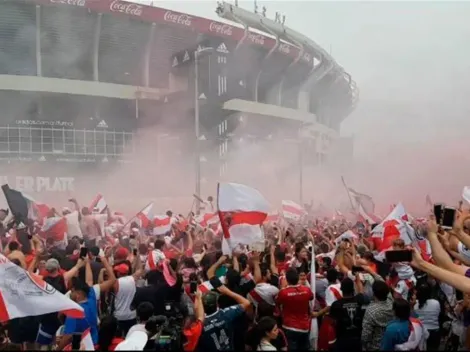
{"points": [[294, 302], [192, 333]]}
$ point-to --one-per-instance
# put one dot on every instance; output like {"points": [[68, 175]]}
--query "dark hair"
{"points": [[107, 331], [94, 251], [332, 275], [189, 262], [264, 268], [347, 286], [159, 243], [401, 309], [292, 276], [80, 285], [265, 325], [380, 290], [423, 293], [13, 246], [298, 248], [144, 311], [279, 254], [326, 261], [233, 278]]}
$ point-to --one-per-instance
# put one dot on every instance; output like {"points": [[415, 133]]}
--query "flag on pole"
{"points": [[99, 205], [145, 216], [292, 210], [23, 294], [242, 211]]}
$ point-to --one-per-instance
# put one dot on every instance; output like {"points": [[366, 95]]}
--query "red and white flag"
{"points": [[162, 224], [98, 205], [207, 219], [146, 215], [242, 211], [364, 216], [55, 228], [23, 294], [37, 211], [292, 211]]}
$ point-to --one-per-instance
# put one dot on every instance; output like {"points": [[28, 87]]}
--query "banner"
{"points": [[33, 184]]}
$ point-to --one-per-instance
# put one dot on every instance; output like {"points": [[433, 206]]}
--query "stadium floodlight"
{"points": [[197, 98]]}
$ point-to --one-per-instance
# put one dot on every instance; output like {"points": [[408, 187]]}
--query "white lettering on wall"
{"points": [[40, 184]]}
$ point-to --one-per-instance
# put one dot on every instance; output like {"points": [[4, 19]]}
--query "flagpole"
{"points": [[130, 220], [349, 196]]}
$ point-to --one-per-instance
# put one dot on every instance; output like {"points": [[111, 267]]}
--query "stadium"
{"points": [[79, 78]]}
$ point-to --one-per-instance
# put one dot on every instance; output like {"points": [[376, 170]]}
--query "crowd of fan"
{"points": [[196, 298]]}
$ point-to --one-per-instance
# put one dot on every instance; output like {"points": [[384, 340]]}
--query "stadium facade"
{"points": [[78, 78]]}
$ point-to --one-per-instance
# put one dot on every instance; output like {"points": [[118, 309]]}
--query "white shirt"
{"points": [[124, 296], [429, 314], [330, 297], [73, 225], [266, 346], [136, 327]]}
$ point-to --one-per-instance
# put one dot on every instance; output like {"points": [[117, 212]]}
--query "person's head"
{"points": [[279, 255], [107, 331], [52, 266], [169, 213], [86, 211], [144, 311], [66, 211], [13, 246], [347, 287], [94, 251], [402, 309], [3, 214], [301, 253], [159, 244], [380, 290], [292, 277], [79, 290], [302, 276], [210, 302], [189, 262], [233, 278], [265, 272], [369, 256], [121, 270], [332, 276], [267, 329], [423, 293]]}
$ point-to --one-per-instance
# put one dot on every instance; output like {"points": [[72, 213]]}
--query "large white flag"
{"points": [[23, 294], [242, 211]]}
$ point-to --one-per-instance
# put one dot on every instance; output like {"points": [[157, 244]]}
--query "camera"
{"points": [[165, 331]]}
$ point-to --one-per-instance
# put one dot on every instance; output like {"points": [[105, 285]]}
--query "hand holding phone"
{"points": [[83, 252], [448, 218]]}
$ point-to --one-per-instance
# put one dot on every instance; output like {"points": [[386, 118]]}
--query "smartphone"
{"points": [[357, 269], [448, 218], [193, 287], [83, 252], [399, 256], [76, 340], [134, 251], [215, 282], [438, 209]]}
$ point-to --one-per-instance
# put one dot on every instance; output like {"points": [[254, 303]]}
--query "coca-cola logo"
{"points": [[256, 38], [220, 28], [181, 18], [126, 8], [80, 3], [284, 48]]}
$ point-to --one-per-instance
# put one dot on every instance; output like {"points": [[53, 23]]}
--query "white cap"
{"points": [[136, 341]]}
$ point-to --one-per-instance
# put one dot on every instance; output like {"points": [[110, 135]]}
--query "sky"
{"points": [[410, 60]]}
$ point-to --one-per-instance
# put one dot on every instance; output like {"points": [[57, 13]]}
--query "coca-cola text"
{"points": [[126, 8], [256, 38], [177, 18], [220, 28]]}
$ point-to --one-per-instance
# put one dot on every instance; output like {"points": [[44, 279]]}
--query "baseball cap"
{"points": [[121, 254], [136, 341], [52, 265], [210, 299], [122, 269]]}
